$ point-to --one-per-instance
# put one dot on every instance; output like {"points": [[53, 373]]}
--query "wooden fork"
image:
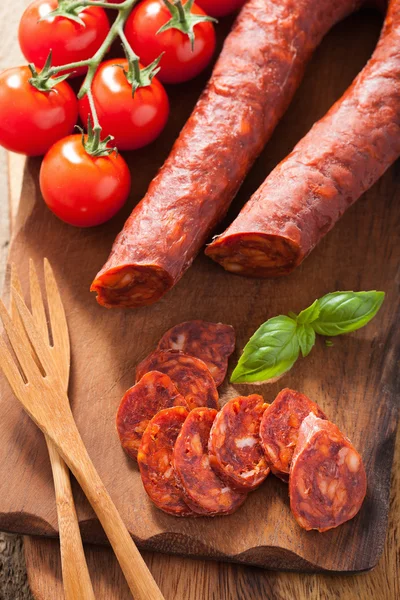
{"points": [[41, 391], [76, 579]]}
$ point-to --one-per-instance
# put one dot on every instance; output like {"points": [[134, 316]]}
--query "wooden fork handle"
{"points": [[137, 575], [76, 579]]}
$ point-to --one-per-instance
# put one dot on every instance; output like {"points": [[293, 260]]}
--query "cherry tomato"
{"points": [[180, 62], [81, 189], [134, 122], [30, 120], [68, 40], [220, 8]]}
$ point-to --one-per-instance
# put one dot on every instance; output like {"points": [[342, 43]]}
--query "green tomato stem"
{"points": [[96, 124], [131, 55], [116, 30], [85, 3]]}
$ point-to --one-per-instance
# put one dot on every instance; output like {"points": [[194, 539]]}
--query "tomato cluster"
{"points": [[83, 181]]}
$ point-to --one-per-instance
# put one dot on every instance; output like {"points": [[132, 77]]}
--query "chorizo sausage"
{"points": [[337, 161], [327, 483], [213, 343], [259, 69], [155, 461], [235, 452], [204, 492], [140, 403], [279, 428], [189, 374]]}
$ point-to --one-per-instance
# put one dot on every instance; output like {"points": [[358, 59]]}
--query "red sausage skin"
{"points": [[337, 161], [259, 69]]}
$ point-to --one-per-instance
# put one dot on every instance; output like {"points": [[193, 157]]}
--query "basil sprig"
{"points": [[276, 345]]}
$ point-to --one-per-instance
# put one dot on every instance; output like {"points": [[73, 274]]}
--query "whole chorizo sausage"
{"points": [[327, 482], [337, 161], [253, 82]]}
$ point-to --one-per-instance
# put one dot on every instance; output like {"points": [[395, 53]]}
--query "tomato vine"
{"points": [[182, 19], [70, 9]]}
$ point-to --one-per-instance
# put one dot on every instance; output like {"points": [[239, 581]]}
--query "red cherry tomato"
{"points": [[180, 62], [30, 120], [134, 122], [80, 189], [68, 40], [220, 8]]}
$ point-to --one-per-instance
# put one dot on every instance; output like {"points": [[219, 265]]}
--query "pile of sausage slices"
{"points": [[197, 460]]}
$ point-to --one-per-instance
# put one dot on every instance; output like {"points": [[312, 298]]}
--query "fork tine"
{"points": [[15, 283], [58, 320], [15, 280], [10, 369], [37, 306], [42, 350], [19, 343]]}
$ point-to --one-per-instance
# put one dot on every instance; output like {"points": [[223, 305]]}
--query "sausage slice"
{"points": [[236, 454], [327, 483], [203, 490], [213, 343], [280, 427], [155, 461], [189, 374], [141, 402]]}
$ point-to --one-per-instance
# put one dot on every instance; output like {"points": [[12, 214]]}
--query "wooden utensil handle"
{"points": [[76, 578], [137, 575]]}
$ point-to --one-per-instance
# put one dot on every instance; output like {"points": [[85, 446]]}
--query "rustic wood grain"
{"points": [[119, 339], [13, 580], [239, 582]]}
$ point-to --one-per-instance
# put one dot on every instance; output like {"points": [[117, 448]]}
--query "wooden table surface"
{"points": [[179, 578]]}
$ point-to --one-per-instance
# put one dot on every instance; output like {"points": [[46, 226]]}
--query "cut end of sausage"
{"points": [[131, 286], [255, 254]]}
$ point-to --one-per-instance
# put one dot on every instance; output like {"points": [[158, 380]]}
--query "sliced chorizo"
{"points": [[141, 402], [155, 461], [235, 451], [203, 490], [213, 343], [327, 483], [280, 427], [189, 374]]}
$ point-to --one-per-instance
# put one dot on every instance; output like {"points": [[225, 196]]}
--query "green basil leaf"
{"points": [[310, 314], [306, 337], [342, 312], [270, 352]]}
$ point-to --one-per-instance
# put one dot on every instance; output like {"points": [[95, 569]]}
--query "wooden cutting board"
{"points": [[355, 381]]}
